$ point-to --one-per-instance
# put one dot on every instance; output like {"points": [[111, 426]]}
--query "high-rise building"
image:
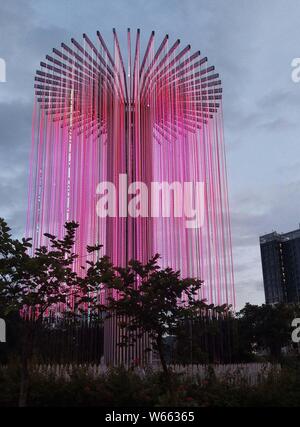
{"points": [[280, 256]]}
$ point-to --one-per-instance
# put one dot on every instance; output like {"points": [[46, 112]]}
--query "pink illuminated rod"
{"points": [[152, 117]]}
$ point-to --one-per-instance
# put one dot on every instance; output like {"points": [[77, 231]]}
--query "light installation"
{"points": [[149, 115]]}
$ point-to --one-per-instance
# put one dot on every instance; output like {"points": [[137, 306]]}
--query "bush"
{"points": [[121, 387]]}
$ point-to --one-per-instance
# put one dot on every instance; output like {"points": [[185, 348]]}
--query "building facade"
{"points": [[280, 256]]}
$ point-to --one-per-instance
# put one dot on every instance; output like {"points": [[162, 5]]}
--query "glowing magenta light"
{"points": [[154, 117]]}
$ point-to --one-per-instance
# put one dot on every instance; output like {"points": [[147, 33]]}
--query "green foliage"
{"points": [[121, 387], [32, 284], [266, 327], [35, 283], [151, 300]]}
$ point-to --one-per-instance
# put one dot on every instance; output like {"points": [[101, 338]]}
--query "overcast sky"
{"points": [[251, 43]]}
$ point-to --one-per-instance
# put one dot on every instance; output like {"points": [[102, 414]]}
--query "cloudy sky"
{"points": [[251, 43]]}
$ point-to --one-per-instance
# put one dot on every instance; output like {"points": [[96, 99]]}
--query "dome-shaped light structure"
{"points": [[155, 117]]}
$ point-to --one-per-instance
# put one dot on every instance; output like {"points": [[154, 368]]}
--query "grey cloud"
{"points": [[261, 107], [279, 124], [280, 98], [15, 125]]}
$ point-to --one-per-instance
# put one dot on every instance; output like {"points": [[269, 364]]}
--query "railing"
{"points": [[248, 373]]}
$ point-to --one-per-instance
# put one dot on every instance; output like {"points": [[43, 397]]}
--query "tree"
{"points": [[152, 300], [266, 327], [33, 285]]}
